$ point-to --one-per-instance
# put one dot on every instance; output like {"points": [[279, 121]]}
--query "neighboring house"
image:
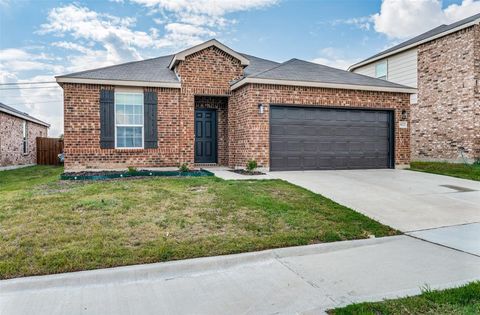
{"points": [[18, 134], [444, 65], [212, 105]]}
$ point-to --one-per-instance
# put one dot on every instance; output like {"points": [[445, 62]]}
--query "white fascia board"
{"points": [[322, 85], [34, 120], [453, 30], [173, 85], [213, 42]]}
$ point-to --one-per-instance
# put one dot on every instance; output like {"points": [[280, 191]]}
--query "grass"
{"points": [[51, 226], [462, 300], [450, 169]]}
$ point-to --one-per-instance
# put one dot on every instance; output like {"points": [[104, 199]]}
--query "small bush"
{"points": [[183, 167], [477, 162], [251, 165], [132, 169]]}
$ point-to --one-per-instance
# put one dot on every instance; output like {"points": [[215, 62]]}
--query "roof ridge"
{"points": [[277, 66], [248, 55]]}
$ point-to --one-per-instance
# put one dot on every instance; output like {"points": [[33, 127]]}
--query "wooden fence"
{"points": [[48, 150]]}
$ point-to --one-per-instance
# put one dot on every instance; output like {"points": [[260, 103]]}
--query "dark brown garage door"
{"points": [[313, 138]]}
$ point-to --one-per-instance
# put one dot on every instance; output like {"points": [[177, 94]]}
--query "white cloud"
{"points": [[193, 21], [71, 46], [16, 60], [333, 57], [187, 34], [363, 22], [407, 18], [44, 104], [205, 8], [115, 34]]}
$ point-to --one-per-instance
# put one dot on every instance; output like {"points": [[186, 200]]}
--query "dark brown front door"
{"points": [[205, 136]]}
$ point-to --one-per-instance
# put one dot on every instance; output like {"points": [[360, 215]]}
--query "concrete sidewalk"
{"points": [[304, 280], [465, 237]]}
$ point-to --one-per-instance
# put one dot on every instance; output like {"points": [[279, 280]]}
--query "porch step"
{"points": [[205, 164]]}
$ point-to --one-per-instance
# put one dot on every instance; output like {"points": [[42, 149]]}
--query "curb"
{"points": [[172, 269]]}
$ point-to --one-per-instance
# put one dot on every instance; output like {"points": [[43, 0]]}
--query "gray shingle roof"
{"points": [[156, 70], [300, 70], [12, 111], [149, 70], [417, 39], [258, 65]]}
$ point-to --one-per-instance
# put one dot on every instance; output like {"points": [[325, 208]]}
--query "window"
{"points": [[381, 70], [25, 138], [129, 120]]}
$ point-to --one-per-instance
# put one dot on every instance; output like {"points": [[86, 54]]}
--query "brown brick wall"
{"points": [[249, 136], [447, 115], [242, 133], [209, 73], [82, 132], [11, 140]]}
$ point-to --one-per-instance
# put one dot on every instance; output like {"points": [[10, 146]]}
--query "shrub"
{"points": [[251, 165], [132, 169], [477, 161], [183, 167]]}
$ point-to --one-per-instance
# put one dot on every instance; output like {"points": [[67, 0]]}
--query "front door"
{"points": [[205, 136]]}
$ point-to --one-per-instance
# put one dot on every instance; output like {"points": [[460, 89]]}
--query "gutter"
{"points": [[173, 85], [29, 118], [394, 52], [322, 85]]}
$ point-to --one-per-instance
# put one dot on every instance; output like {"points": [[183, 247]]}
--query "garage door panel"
{"points": [[320, 138], [294, 130], [294, 146], [277, 130]]}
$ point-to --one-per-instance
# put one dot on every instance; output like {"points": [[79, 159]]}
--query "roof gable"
{"points": [[213, 42]]}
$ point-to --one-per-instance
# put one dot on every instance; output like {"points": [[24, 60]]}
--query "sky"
{"points": [[43, 38]]}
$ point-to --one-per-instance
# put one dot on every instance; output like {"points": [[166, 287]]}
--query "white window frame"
{"points": [[125, 125], [386, 69], [25, 138]]}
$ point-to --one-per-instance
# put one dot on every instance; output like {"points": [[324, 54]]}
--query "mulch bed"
{"points": [[245, 172], [105, 175]]}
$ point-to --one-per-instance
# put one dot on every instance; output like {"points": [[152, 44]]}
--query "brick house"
{"points": [[444, 65], [18, 134], [212, 105]]}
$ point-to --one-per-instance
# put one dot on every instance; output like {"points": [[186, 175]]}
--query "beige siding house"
{"points": [[443, 64], [401, 68]]}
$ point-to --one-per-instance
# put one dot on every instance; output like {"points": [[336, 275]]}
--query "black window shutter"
{"points": [[107, 119], [150, 119]]}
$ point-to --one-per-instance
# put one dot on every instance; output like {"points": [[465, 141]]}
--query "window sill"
{"points": [[129, 149]]}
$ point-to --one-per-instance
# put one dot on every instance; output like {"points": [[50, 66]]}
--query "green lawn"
{"points": [[50, 226], [462, 300], [450, 169]]}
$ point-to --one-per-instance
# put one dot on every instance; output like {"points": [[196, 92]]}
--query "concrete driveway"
{"points": [[405, 200]]}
